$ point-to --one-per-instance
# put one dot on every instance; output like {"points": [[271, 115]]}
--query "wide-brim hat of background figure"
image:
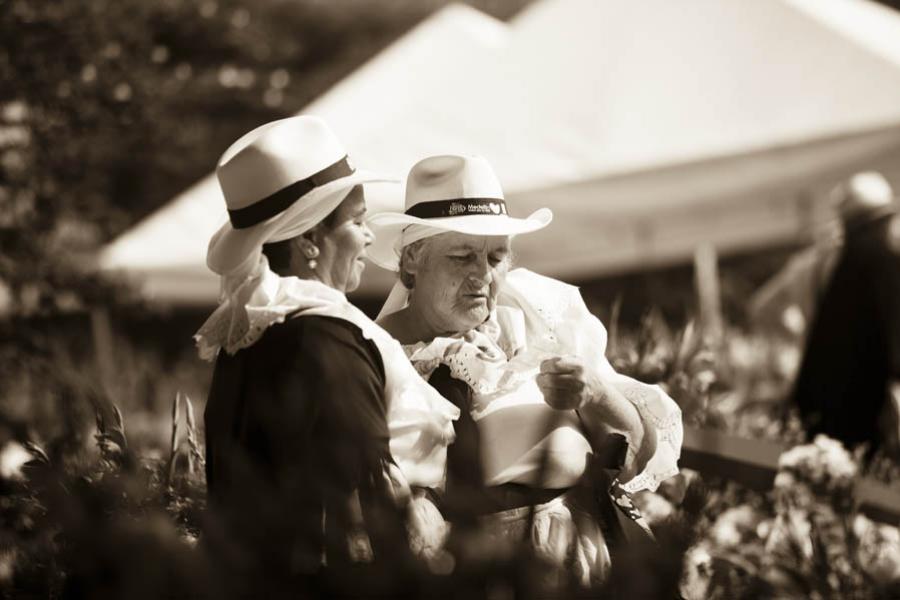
{"points": [[448, 193], [863, 198], [279, 180]]}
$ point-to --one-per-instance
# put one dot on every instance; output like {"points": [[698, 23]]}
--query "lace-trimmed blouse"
{"points": [[500, 360]]}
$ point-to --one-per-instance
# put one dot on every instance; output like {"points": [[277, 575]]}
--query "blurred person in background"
{"points": [[545, 420], [846, 387], [300, 472]]}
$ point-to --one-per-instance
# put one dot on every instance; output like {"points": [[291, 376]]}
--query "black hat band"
{"points": [[273, 204], [458, 207]]}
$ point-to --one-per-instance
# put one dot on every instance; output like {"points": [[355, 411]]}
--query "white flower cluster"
{"points": [[878, 550], [825, 463]]}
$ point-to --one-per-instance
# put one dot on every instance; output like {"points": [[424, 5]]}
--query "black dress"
{"points": [[296, 445], [853, 347]]}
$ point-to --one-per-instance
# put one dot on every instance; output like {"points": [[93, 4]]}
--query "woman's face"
{"points": [[342, 247], [457, 278]]}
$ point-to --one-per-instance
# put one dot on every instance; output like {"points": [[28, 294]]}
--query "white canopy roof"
{"points": [[647, 126]]}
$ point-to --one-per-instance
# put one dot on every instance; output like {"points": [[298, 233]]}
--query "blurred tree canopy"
{"points": [[108, 108]]}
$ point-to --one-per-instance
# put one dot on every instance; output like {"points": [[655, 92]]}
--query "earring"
{"points": [[311, 253]]}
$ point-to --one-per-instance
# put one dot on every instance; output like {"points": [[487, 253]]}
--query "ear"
{"points": [[411, 258], [306, 243]]}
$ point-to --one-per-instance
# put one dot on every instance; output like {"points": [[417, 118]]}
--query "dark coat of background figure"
{"points": [[853, 348], [297, 440]]}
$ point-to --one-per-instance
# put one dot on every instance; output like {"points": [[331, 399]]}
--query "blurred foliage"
{"points": [[109, 108], [97, 503]]}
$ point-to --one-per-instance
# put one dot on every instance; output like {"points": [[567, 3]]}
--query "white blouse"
{"points": [[537, 318]]}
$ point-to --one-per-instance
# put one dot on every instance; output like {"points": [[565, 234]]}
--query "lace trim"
{"points": [[649, 481], [650, 401]]}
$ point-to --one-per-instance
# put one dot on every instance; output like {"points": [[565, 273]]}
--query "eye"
{"points": [[460, 257], [495, 260]]}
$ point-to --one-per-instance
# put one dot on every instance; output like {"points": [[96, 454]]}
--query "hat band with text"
{"points": [[273, 204], [458, 207]]}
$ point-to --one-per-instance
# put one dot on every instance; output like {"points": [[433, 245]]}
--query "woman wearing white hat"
{"points": [[523, 359], [315, 418]]}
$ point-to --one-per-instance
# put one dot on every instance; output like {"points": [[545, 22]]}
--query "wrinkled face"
{"points": [[342, 246], [457, 278]]}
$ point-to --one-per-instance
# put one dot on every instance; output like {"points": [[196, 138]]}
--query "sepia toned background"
{"points": [[686, 149]]}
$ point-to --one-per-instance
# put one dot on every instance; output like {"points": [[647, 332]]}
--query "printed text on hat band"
{"points": [[271, 205], [458, 208]]}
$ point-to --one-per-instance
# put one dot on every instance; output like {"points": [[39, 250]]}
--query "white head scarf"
{"points": [[252, 297]]}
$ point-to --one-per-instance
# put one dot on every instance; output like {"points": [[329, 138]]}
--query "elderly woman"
{"points": [[302, 467], [523, 359]]}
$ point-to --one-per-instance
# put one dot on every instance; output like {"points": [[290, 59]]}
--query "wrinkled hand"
{"points": [[567, 382]]}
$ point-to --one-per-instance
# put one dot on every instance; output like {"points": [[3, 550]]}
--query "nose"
{"points": [[369, 236], [481, 271]]}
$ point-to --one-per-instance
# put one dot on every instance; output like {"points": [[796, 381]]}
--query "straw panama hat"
{"points": [[449, 193], [286, 165]]}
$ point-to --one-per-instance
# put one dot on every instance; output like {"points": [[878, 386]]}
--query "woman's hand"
{"points": [[567, 383]]}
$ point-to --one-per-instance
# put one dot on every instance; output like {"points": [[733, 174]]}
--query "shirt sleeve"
{"points": [[659, 413]]}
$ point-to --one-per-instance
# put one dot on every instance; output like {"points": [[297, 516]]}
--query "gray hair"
{"points": [[407, 278]]}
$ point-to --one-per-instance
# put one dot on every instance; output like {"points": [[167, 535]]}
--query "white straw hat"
{"points": [[280, 168], [449, 193]]}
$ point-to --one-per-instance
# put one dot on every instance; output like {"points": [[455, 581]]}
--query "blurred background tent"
{"points": [[643, 141], [167, 251]]}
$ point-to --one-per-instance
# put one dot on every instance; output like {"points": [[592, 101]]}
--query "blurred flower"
{"points": [[784, 480], [64, 89], [122, 92], [30, 298], [793, 320], [787, 360], [764, 529], [6, 299], [209, 9], [160, 54], [183, 71], [790, 530], [88, 73], [112, 50], [735, 526], [279, 79], [14, 112], [7, 565], [67, 301], [879, 549], [273, 98], [228, 76], [13, 456], [16, 135], [13, 161], [240, 18], [697, 573], [824, 463]]}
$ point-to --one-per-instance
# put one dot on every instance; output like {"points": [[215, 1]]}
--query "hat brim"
{"points": [[229, 247], [388, 226]]}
